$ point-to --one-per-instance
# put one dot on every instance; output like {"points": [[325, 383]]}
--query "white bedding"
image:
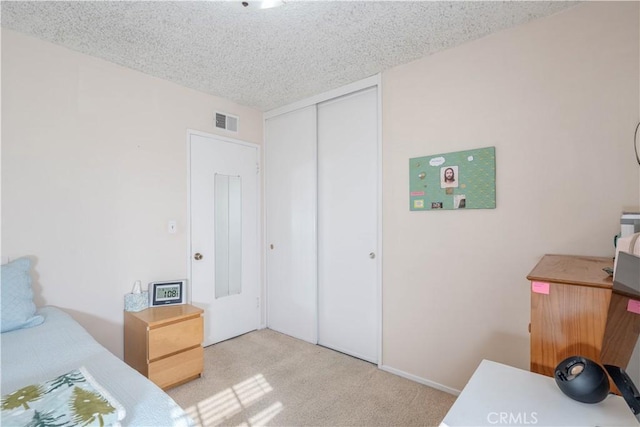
{"points": [[60, 345]]}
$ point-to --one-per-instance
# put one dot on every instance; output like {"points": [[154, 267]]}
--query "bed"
{"points": [[53, 345]]}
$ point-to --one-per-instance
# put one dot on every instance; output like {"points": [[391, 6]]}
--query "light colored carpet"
{"points": [[267, 378]]}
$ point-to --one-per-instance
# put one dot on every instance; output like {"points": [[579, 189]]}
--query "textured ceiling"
{"points": [[265, 58]]}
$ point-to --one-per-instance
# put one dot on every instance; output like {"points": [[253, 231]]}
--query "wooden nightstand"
{"points": [[165, 343]]}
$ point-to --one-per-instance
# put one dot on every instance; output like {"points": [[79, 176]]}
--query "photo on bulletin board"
{"points": [[458, 180], [448, 176]]}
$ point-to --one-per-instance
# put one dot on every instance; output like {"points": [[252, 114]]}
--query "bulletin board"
{"points": [[459, 180]]}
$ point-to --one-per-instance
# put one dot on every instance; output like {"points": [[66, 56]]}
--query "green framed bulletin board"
{"points": [[459, 180]]}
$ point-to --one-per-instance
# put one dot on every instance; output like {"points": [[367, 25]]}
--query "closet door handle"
{"points": [[197, 256], [372, 255]]}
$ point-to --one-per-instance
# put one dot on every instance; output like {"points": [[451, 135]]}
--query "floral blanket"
{"points": [[72, 399]]}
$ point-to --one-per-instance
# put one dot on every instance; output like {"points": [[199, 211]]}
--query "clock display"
{"points": [[167, 292]]}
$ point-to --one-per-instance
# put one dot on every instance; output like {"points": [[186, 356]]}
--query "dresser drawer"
{"points": [[178, 368], [174, 337]]}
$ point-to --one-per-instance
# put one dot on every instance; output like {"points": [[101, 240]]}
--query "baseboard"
{"points": [[417, 379]]}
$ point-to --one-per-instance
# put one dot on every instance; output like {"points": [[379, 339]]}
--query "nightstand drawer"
{"points": [[174, 337], [178, 368]]}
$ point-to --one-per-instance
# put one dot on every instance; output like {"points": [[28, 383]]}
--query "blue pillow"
{"points": [[18, 309]]}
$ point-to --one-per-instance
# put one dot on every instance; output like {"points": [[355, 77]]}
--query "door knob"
{"points": [[198, 256], [372, 255]]}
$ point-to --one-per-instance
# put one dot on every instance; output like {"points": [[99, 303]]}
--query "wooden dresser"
{"points": [[165, 343], [577, 310], [570, 298]]}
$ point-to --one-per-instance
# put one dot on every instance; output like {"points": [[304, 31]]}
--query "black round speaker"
{"points": [[582, 379]]}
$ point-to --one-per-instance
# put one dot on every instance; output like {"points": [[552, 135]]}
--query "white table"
{"points": [[500, 395]]}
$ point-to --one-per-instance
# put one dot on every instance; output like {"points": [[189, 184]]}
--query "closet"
{"points": [[322, 204]]}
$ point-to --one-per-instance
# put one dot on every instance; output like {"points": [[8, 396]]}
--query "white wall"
{"points": [[558, 98], [94, 165]]}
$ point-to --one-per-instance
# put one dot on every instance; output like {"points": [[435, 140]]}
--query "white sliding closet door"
{"points": [[290, 197], [347, 224]]}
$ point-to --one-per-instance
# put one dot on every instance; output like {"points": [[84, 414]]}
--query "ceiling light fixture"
{"points": [[264, 4]]}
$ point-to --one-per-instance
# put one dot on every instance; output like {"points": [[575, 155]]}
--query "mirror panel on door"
{"points": [[228, 235]]}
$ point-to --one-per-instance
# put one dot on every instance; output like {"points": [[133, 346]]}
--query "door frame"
{"points": [[259, 225], [373, 81]]}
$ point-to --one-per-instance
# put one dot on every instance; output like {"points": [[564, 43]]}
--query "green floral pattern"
{"points": [[72, 399]]}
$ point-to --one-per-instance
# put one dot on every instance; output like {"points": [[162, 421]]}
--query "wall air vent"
{"points": [[227, 122]]}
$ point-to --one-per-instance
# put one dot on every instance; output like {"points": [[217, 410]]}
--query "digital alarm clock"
{"points": [[167, 293]]}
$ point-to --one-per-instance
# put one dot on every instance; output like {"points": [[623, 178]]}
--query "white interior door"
{"points": [[347, 224], [224, 235], [290, 199]]}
